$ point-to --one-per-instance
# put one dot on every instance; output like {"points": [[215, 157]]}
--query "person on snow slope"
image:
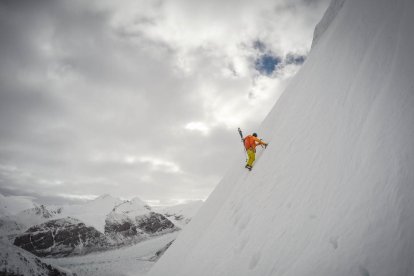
{"points": [[250, 143]]}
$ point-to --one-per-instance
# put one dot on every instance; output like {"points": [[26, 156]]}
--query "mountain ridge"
{"points": [[58, 231]]}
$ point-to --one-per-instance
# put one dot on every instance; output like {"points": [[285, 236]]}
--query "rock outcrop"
{"points": [[60, 238]]}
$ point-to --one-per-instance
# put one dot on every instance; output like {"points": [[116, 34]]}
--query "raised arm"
{"points": [[259, 142]]}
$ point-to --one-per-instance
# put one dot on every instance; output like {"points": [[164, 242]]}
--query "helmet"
{"points": [[255, 134]]}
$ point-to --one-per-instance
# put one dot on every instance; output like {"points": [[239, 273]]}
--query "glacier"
{"points": [[333, 194]]}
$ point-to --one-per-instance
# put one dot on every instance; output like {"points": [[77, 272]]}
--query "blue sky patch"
{"points": [[266, 64]]}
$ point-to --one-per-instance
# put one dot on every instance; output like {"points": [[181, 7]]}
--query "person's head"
{"points": [[255, 134]]}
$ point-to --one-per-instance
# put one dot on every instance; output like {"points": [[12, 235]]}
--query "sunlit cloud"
{"points": [[130, 159], [158, 164], [79, 197], [198, 126], [171, 202]]}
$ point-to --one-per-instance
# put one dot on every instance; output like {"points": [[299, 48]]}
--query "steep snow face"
{"points": [[333, 193], [327, 19]]}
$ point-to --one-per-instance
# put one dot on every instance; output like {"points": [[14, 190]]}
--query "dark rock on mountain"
{"points": [[123, 227], [60, 238], [153, 223], [126, 229]]}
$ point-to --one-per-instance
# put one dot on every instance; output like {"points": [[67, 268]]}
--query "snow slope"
{"points": [[333, 193], [327, 19]]}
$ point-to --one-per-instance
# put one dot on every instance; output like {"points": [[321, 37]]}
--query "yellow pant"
{"points": [[252, 156]]}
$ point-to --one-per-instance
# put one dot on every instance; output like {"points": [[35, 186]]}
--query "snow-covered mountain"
{"points": [[333, 192], [94, 212], [12, 225], [36, 215], [134, 220], [16, 261], [48, 231]]}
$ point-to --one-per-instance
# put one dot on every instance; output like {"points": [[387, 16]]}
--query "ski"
{"points": [[241, 135], [242, 140]]}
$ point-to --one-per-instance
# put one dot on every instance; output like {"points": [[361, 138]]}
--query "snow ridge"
{"points": [[327, 19]]}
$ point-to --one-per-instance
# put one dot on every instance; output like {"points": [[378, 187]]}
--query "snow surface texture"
{"points": [[333, 193]]}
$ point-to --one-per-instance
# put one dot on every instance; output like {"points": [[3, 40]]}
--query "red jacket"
{"points": [[250, 142]]}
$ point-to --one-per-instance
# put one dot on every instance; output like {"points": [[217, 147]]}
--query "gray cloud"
{"points": [[137, 98]]}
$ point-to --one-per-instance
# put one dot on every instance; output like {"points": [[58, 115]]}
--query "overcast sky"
{"points": [[139, 97]]}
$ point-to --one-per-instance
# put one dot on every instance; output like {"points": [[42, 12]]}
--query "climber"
{"points": [[250, 143]]}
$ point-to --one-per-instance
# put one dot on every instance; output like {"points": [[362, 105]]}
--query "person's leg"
{"points": [[252, 157]]}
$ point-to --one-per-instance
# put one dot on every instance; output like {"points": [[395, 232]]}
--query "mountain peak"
{"points": [[38, 210], [134, 206], [105, 200]]}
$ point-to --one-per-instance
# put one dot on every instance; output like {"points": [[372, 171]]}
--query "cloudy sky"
{"points": [[139, 97]]}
